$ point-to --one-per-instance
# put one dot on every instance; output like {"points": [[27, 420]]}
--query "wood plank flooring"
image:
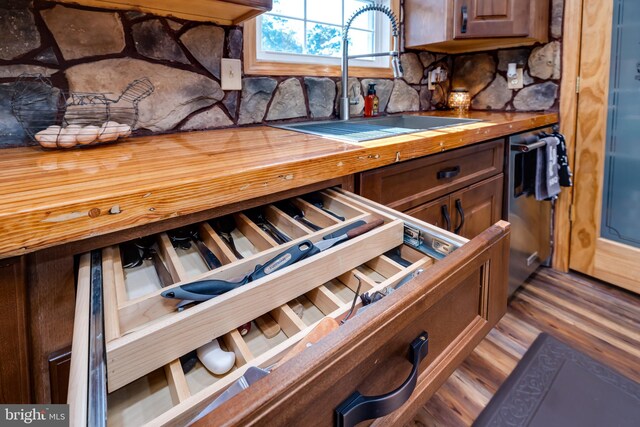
{"points": [[598, 319]]}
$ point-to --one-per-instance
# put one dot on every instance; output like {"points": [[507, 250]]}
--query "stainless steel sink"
{"points": [[358, 130]]}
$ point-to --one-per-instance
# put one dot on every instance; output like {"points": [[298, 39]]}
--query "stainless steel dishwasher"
{"points": [[531, 220]]}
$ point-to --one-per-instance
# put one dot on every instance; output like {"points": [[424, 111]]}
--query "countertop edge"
{"points": [[32, 230]]}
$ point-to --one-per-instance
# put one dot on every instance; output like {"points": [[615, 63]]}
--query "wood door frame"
{"points": [[571, 47], [591, 254]]}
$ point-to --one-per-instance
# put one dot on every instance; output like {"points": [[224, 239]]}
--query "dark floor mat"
{"points": [[556, 385]]}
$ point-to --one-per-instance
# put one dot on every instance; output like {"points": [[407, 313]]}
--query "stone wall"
{"points": [[484, 74], [89, 50]]}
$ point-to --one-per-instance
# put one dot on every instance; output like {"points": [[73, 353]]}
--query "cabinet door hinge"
{"points": [[578, 84]]}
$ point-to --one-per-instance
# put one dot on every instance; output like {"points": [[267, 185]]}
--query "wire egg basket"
{"points": [[61, 119]]}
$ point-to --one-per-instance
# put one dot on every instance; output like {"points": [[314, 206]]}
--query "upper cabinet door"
{"points": [[491, 18]]}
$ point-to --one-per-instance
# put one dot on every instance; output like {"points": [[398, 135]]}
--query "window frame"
{"points": [[255, 66]]}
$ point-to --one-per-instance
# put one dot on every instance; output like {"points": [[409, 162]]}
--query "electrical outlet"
{"points": [[515, 80], [436, 76], [231, 74]]}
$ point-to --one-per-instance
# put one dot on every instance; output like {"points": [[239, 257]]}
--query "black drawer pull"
{"points": [[461, 212], [447, 217], [357, 408], [449, 172], [465, 18]]}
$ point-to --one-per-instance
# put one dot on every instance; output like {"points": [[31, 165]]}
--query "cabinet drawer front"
{"points": [[146, 335], [412, 183]]}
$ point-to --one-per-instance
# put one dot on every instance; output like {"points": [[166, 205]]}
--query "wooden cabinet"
{"points": [[476, 207], [406, 185], [223, 12], [469, 25], [470, 178], [437, 212], [467, 212], [455, 304], [14, 354], [491, 18]]}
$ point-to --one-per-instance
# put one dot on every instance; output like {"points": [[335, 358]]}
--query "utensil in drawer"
{"points": [[204, 290], [253, 373], [316, 200], [258, 218], [296, 213], [224, 226], [183, 237], [368, 300], [130, 255], [395, 255], [188, 361], [145, 244], [344, 229], [355, 232]]}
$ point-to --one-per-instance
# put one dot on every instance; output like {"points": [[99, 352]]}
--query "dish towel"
{"points": [[563, 162], [547, 183]]}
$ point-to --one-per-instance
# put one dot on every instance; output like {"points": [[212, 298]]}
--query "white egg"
{"points": [[108, 132], [67, 137], [87, 135], [48, 137], [124, 130]]}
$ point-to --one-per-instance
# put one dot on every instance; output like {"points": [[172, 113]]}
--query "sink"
{"points": [[358, 130]]}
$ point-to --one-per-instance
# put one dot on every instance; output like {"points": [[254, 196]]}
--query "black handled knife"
{"points": [[206, 289]]}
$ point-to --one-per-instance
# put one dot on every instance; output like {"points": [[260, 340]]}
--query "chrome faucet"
{"points": [[345, 101]]}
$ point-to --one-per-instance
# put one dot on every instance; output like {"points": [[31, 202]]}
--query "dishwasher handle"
{"points": [[529, 143]]}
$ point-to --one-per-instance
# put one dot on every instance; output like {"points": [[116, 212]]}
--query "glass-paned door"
{"points": [[621, 189]]}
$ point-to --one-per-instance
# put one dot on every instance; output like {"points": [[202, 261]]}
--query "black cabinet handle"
{"points": [[447, 217], [465, 18], [448, 173], [461, 212], [357, 408]]}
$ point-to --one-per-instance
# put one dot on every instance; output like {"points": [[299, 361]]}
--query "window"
{"points": [[310, 32]]}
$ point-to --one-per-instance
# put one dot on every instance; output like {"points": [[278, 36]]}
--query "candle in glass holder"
{"points": [[459, 100]]}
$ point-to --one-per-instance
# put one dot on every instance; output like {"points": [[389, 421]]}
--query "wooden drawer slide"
{"points": [[146, 334]]}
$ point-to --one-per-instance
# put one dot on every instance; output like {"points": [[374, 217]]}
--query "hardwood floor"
{"points": [[598, 319]]}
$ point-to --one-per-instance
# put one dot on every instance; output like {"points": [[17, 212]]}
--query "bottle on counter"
{"points": [[371, 102]]}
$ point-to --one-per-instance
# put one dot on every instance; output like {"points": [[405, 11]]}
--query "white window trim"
{"points": [[382, 42]]}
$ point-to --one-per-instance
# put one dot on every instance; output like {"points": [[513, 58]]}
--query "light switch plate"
{"points": [[516, 82], [231, 74]]}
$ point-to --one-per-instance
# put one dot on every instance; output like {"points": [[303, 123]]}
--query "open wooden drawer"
{"points": [[128, 339]]}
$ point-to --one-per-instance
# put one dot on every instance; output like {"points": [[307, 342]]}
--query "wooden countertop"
{"points": [[54, 197]]}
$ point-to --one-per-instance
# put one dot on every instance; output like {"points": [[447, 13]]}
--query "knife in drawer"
{"points": [[323, 245], [204, 290]]}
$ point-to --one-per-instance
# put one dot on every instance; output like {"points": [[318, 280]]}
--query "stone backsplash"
{"points": [[88, 50]]}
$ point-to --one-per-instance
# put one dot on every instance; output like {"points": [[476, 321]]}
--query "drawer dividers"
{"points": [[234, 342], [288, 320], [349, 280], [138, 312], [216, 244], [78, 392], [118, 278], [111, 318], [324, 299], [315, 215], [385, 266], [144, 350], [261, 240], [186, 411], [284, 222], [340, 206], [177, 381], [171, 258]]}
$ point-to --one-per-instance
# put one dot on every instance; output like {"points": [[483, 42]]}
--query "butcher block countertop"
{"points": [[55, 197]]}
